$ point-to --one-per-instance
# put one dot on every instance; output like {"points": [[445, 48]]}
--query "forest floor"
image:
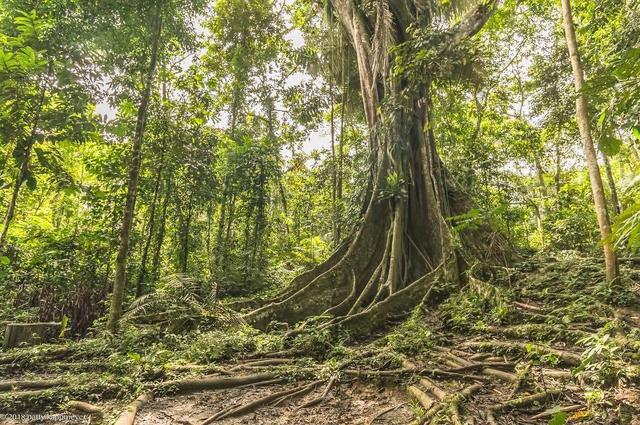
{"points": [[544, 343]]}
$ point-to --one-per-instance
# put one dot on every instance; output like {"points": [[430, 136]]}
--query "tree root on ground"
{"points": [[128, 417], [181, 386], [384, 412], [318, 400], [31, 385], [84, 407], [550, 412], [524, 401], [565, 357], [276, 397]]}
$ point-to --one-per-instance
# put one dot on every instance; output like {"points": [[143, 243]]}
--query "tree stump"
{"points": [[30, 333]]}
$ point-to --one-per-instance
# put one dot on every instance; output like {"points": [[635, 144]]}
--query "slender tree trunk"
{"points": [[184, 258], [340, 177], [540, 210], [597, 188], [229, 224], [24, 169], [558, 174], [615, 202], [334, 171], [152, 222], [134, 172], [155, 261], [220, 248]]}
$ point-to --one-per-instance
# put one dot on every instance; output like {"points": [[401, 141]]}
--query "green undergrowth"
{"points": [[413, 337], [576, 311]]}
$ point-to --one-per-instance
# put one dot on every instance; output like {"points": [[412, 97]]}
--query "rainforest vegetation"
{"points": [[320, 211]]}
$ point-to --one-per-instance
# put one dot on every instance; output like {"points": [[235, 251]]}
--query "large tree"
{"points": [[404, 244]]}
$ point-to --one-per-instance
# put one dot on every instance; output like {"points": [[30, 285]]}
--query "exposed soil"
{"points": [[348, 404]]}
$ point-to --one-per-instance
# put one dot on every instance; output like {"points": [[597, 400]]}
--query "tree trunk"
{"points": [[540, 210], [597, 189], [404, 244], [155, 262], [152, 222], [220, 248], [24, 169], [184, 257], [615, 201], [132, 184], [558, 175]]}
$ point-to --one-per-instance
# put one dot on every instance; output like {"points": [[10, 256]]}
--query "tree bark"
{"points": [[597, 188], [404, 243], [117, 297]]}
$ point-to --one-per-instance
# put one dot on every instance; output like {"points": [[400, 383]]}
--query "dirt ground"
{"points": [[346, 404]]}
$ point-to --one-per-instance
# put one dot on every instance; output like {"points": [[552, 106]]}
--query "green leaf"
{"points": [[64, 325], [636, 132], [560, 418], [610, 146], [4, 260]]}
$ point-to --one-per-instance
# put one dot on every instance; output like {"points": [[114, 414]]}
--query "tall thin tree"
{"points": [[134, 172], [597, 188]]}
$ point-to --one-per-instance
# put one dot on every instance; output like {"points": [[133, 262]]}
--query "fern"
{"points": [[180, 301]]}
